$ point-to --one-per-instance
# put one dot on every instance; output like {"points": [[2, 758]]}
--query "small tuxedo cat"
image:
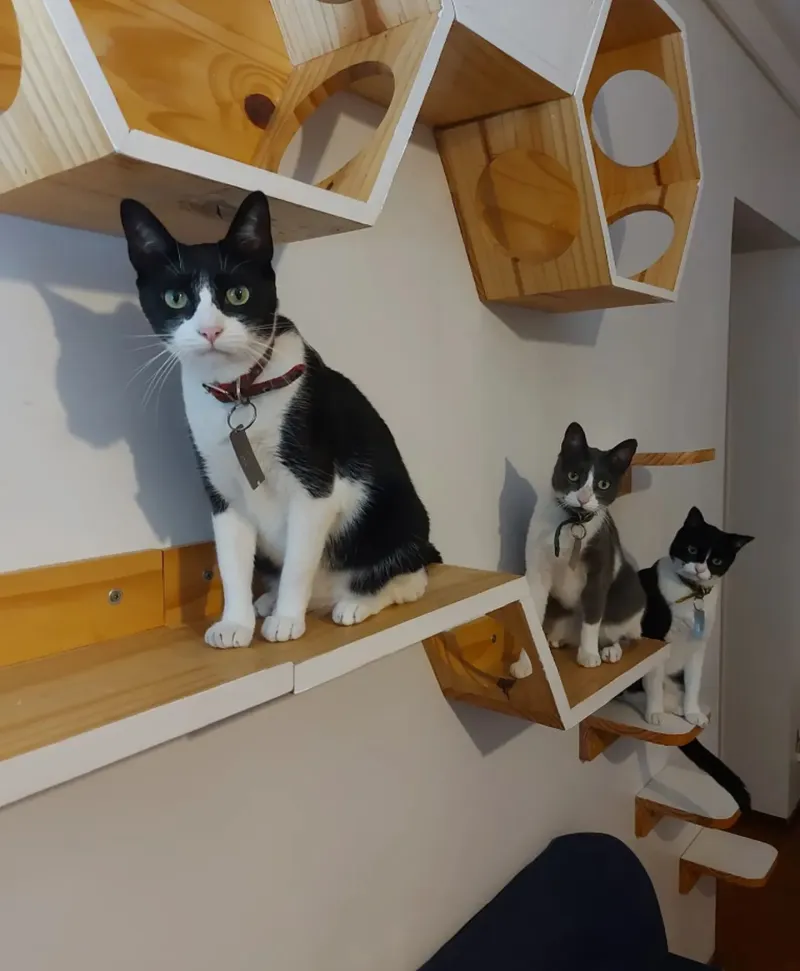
{"points": [[682, 594], [304, 477], [581, 581]]}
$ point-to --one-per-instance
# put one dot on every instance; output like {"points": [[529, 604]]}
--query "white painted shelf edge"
{"points": [[42, 768]]}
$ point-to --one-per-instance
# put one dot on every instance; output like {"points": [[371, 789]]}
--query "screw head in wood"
{"points": [[208, 575], [114, 596]]}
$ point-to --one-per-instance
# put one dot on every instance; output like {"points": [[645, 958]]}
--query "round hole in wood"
{"points": [[259, 109], [333, 124], [634, 118], [639, 238], [529, 204], [10, 55]]}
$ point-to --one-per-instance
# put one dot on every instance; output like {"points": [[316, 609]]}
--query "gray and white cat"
{"points": [[581, 581]]}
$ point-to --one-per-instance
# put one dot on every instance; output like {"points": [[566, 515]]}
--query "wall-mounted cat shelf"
{"points": [[471, 664], [620, 719], [106, 658], [659, 459], [189, 105], [726, 857], [684, 792], [536, 194]]}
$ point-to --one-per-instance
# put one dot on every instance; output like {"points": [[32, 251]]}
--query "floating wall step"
{"points": [[683, 792], [659, 459], [622, 718], [106, 677], [728, 857], [472, 665]]}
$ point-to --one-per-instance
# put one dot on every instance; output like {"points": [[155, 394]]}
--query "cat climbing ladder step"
{"points": [[727, 857], [683, 792], [620, 719]]}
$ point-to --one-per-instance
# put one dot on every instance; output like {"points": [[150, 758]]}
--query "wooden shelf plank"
{"points": [[726, 856], [581, 683], [71, 713], [455, 596], [684, 793], [660, 459], [622, 718]]}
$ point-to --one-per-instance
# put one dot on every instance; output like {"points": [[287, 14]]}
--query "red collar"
{"points": [[245, 387]]}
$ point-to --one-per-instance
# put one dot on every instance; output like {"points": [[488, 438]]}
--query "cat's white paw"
{"points": [[696, 718], [588, 659], [558, 644], [265, 604], [348, 612], [611, 654], [522, 667], [655, 717], [282, 628], [228, 633]]}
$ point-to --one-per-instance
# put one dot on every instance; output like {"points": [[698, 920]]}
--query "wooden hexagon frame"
{"points": [[188, 107], [637, 35]]}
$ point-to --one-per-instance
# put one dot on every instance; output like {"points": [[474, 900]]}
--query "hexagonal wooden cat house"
{"points": [[536, 194], [189, 104]]}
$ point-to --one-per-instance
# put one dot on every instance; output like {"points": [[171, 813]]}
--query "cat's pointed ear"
{"points": [[695, 519], [621, 455], [251, 230], [148, 240], [740, 541], [574, 439]]}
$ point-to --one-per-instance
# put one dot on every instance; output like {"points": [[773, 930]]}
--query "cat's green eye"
{"points": [[237, 296], [573, 476], [716, 562], [692, 551], [603, 485], [175, 299]]}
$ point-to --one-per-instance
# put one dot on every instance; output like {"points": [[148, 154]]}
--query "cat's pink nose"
{"points": [[211, 333]]}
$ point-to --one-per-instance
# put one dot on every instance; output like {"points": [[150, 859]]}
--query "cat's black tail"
{"points": [[431, 554], [719, 772]]}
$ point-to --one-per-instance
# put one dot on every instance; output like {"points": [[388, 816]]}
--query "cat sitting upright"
{"points": [[581, 581], [302, 473], [682, 593]]}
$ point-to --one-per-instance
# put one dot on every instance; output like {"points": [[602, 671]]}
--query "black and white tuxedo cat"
{"points": [[582, 583], [304, 477], [682, 598]]}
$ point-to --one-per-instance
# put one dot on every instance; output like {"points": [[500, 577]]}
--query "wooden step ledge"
{"points": [[684, 792], [623, 718], [726, 856], [471, 666], [661, 459], [65, 714]]}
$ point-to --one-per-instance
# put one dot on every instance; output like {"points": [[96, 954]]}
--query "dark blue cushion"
{"points": [[585, 903]]}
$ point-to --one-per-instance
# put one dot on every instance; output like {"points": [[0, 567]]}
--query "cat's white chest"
{"points": [[266, 506]]}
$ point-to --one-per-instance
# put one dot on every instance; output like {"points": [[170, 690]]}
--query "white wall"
{"points": [[356, 827], [761, 663]]}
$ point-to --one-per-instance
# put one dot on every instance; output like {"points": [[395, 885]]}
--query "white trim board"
{"points": [[42, 768], [753, 31]]}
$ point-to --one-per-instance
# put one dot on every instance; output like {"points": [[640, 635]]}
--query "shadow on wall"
{"points": [[96, 374], [517, 503]]}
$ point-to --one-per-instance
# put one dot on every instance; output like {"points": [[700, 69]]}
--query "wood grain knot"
{"points": [[530, 205], [259, 109]]}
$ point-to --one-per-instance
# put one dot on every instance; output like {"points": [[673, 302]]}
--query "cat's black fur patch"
{"points": [[330, 428], [698, 541]]}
